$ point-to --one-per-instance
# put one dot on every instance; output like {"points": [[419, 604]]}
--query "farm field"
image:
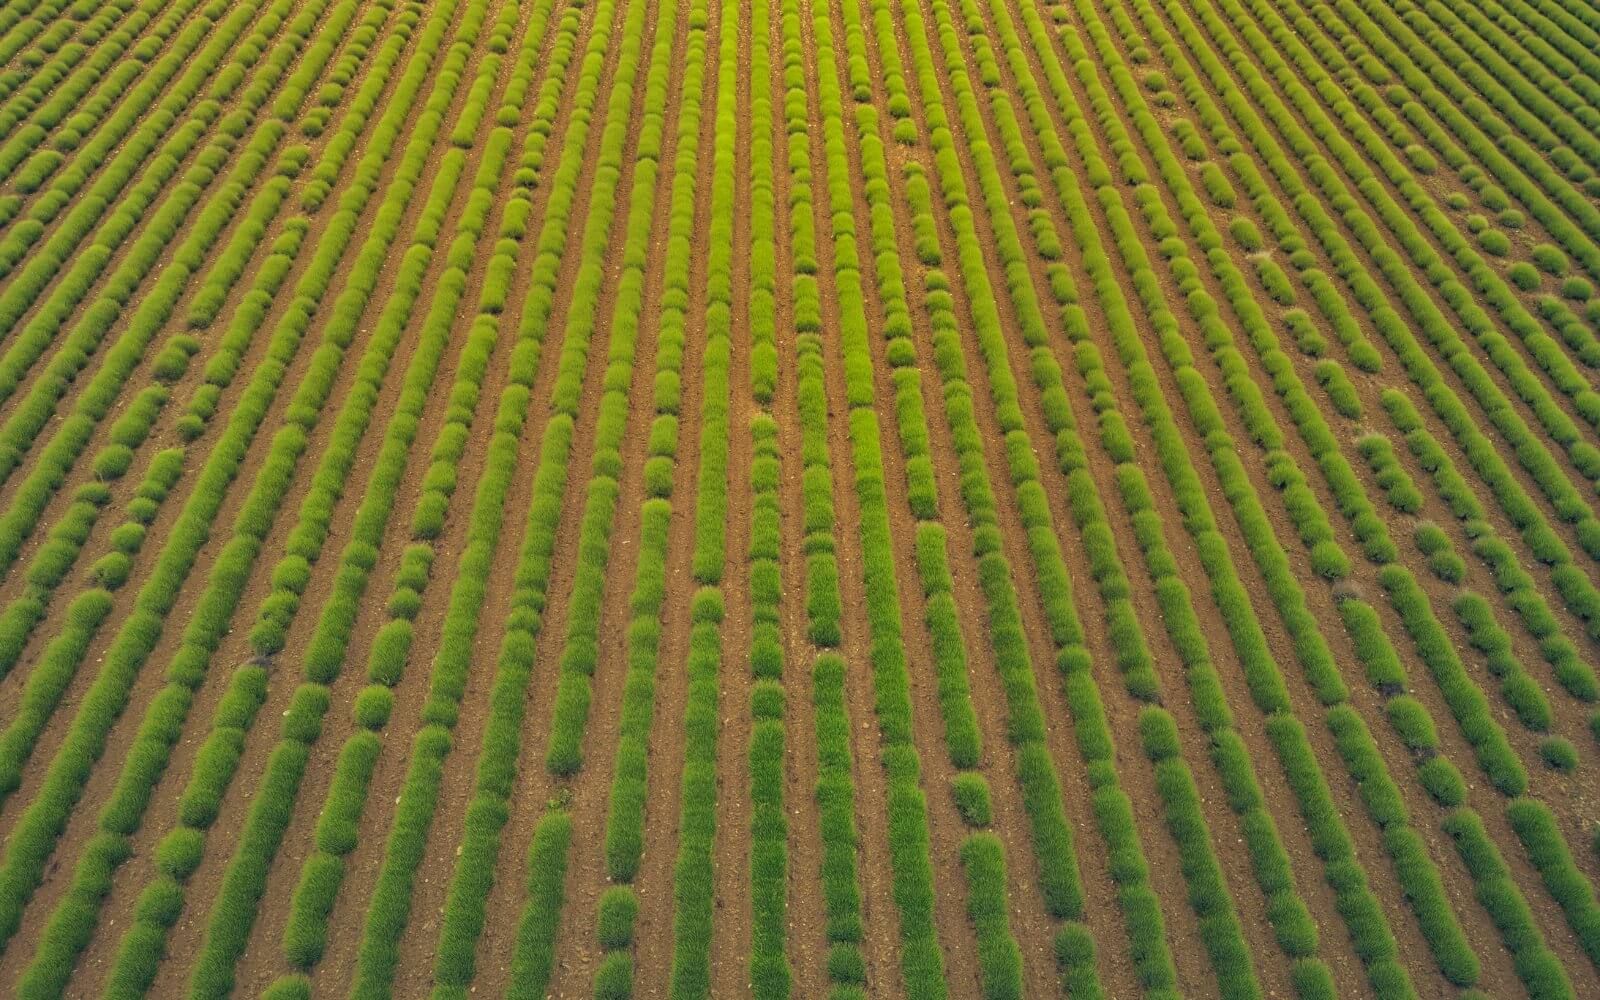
{"points": [[921, 499]]}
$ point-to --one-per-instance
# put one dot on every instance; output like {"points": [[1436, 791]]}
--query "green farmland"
{"points": [[909, 499]]}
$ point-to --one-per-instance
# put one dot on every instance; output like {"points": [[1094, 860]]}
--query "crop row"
{"points": [[1385, 672], [497, 764], [1459, 691], [244, 880], [1141, 910], [1373, 940], [21, 25], [693, 914], [1574, 584], [835, 789], [1530, 450], [580, 651], [45, 686], [1516, 586], [48, 94], [131, 152], [770, 973], [66, 540], [962, 736], [1546, 352], [921, 958], [40, 826], [1482, 132], [322, 874], [51, 675], [1291, 921], [1518, 689], [390, 907], [52, 465], [983, 855]]}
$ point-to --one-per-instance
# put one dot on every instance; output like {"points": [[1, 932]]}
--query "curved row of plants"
{"points": [[337, 833], [835, 788], [496, 778], [911, 870], [389, 909], [58, 452], [1295, 933], [1534, 960], [57, 555], [47, 973], [1530, 450], [981, 853], [34, 838], [243, 884], [39, 100], [48, 680], [1482, 454], [771, 976], [1140, 907]]}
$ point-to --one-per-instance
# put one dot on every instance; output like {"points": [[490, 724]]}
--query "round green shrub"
{"points": [[618, 910], [1559, 754], [1549, 259], [1494, 242], [373, 706], [1524, 275]]}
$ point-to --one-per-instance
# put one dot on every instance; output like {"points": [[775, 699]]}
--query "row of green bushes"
{"points": [[495, 781], [983, 855], [389, 909], [130, 155], [1294, 929], [1138, 902], [835, 788], [1529, 448], [66, 540], [771, 976], [1536, 964], [47, 681], [911, 869], [1209, 896], [580, 649], [244, 880], [693, 869], [1358, 750], [1384, 669], [42, 823], [1524, 169], [1555, 312], [61, 449], [1516, 585], [44, 96]]}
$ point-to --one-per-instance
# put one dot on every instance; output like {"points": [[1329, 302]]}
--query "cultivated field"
{"points": [[915, 499]]}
